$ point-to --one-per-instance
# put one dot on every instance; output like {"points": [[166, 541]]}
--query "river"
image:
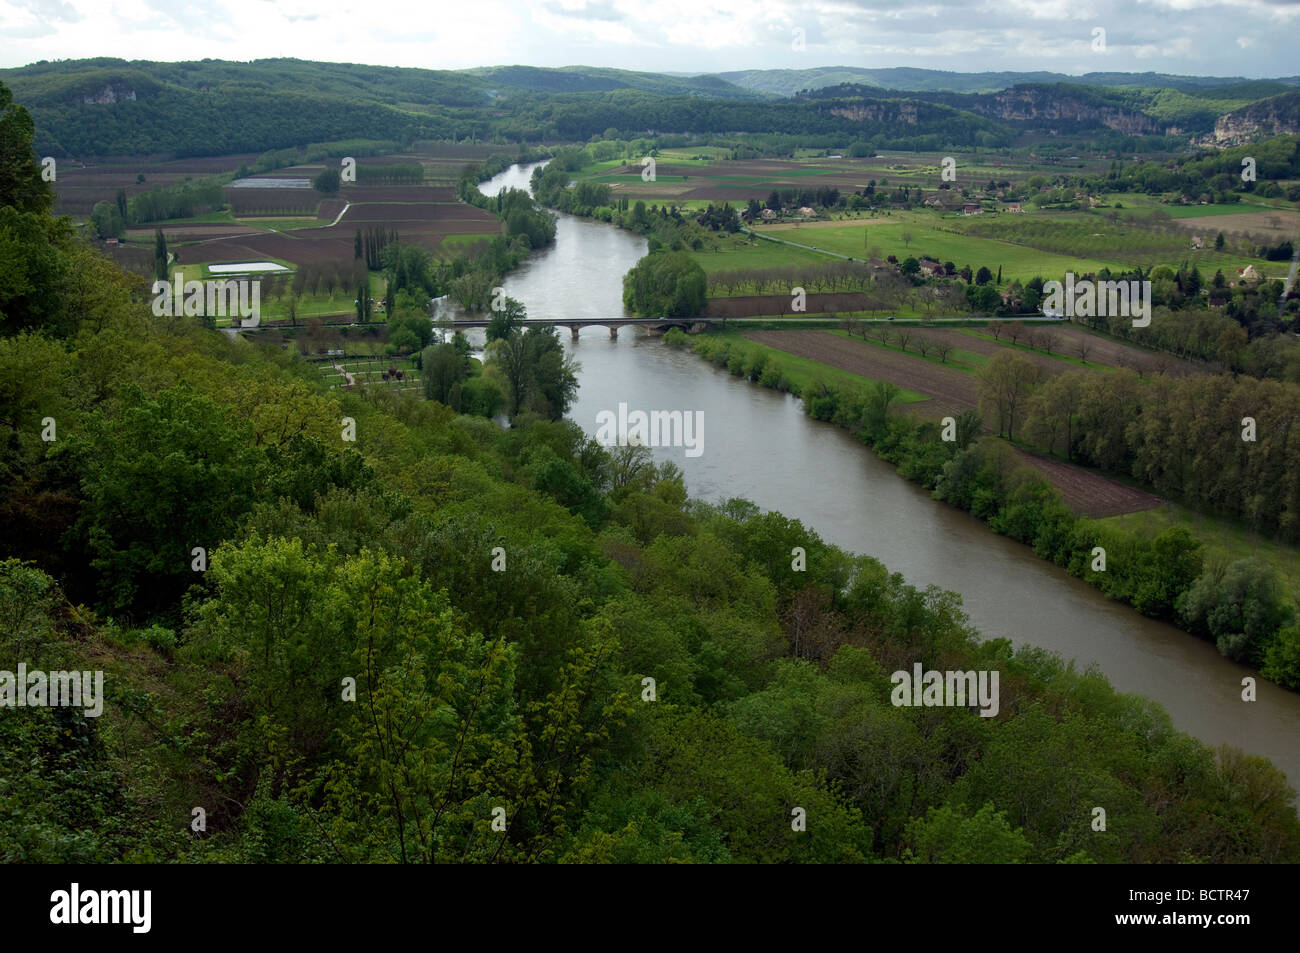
{"points": [[758, 444]]}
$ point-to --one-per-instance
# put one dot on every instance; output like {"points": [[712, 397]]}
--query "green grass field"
{"points": [[280, 223], [460, 242], [928, 239], [1223, 538], [739, 254], [1141, 204]]}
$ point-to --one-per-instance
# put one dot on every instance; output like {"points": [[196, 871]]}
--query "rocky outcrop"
{"points": [[1030, 104], [108, 94], [1276, 116], [878, 111]]}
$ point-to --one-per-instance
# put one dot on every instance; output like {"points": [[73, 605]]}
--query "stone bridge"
{"points": [[576, 324]]}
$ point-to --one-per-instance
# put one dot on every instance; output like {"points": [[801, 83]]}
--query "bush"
{"points": [[160, 639], [1241, 608]]}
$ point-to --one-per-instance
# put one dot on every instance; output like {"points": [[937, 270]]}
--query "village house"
{"points": [[768, 215], [930, 268], [1015, 207], [971, 208]]}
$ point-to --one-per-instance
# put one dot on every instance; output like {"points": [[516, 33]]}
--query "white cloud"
{"points": [[1176, 36]]}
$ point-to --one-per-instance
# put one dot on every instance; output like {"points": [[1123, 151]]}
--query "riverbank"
{"points": [[1163, 577]]}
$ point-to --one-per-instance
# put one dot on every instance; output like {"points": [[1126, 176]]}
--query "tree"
{"points": [[639, 219], [537, 375], [1218, 242], [159, 255], [945, 836], [363, 303], [442, 368], [1054, 411], [1005, 384], [21, 184], [328, 181], [671, 284], [983, 276], [969, 427], [165, 475], [507, 319], [983, 299], [107, 220], [1231, 346], [1240, 607]]}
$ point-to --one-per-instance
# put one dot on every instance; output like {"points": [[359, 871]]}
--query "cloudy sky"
{"points": [[1253, 38]]}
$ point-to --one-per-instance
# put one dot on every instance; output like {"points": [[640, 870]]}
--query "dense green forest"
{"points": [[109, 107], [442, 641]]}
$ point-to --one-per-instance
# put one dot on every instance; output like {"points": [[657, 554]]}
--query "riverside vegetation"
{"points": [[1183, 436]]}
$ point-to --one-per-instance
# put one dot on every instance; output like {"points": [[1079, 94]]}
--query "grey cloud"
{"points": [[56, 11]]}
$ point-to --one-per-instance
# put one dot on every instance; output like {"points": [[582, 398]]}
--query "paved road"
{"points": [[1290, 280], [782, 241]]}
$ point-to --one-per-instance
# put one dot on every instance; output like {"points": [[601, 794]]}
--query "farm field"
{"points": [[1018, 262], [78, 187], [1103, 350], [948, 390], [683, 178], [1091, 494], [1129, 243], [1277, 224], [739, 253], [801, 370], [297, 226], [982, 348]]}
